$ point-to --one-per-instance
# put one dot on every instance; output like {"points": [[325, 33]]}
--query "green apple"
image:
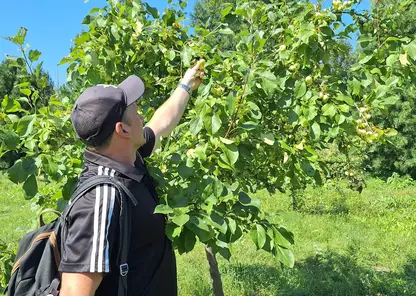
{"points": [[309, 80]]}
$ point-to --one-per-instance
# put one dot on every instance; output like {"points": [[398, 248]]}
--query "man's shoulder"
{"points": [[97, 196]]}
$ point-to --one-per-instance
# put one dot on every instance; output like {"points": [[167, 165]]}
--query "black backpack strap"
{"points": [[125, 221], [125, 224]]}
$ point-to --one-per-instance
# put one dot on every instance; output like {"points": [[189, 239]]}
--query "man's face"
{"points": [[135, 125]]}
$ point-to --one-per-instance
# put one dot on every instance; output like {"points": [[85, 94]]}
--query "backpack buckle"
{"points": [[124, 269]]}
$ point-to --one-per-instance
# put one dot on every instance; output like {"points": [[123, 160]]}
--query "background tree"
{"points": [[8, 78], [399, 154]]}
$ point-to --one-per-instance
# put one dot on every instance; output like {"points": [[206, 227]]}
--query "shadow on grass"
{"points": [[323, 274]]}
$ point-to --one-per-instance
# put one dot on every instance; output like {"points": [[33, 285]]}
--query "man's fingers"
{"points": [[196, 67], [199, 65]]}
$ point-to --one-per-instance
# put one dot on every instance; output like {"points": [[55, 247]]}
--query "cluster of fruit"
{"points": [[364, 129]]}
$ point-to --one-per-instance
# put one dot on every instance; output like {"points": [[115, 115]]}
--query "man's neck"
{"points": [[125, 157]]}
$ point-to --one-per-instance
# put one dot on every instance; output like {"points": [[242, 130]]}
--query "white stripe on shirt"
{"points": [[96, 220], [110, 214], [102, 225]]}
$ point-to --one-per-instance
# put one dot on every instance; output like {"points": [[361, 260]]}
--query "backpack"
{"points": [[35, 271]]}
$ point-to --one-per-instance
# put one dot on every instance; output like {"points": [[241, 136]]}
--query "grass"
{"points": [[345, 244]]}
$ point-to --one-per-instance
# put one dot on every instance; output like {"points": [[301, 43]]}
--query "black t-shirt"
{"points": [[91, 241]]}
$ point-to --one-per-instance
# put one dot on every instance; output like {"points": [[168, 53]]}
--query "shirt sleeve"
{"points": [[147, 148], [89, 240]]}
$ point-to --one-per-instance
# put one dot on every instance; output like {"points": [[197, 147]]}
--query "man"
{"points": [[106, 119]]}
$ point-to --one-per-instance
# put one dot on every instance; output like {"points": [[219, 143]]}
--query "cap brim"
{"points": [[133, 87]]}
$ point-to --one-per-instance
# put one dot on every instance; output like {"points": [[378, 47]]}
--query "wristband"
{"points": [[185, 87]]}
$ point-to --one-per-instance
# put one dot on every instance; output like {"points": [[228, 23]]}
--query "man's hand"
{"points": [[191, 77]]}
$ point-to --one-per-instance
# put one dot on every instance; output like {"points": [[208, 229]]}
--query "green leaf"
{"points": [[231, 103], [411, 49], [345, 98], [226, 31], [261, 236], [225, 253], [218, 222], [201, 229], [391, 132], [170, 54], [392, 81], [216, 123], [365, 60], [230, 155], [344, 108], [20, 37], [267, 75], [285, 256], [316, 128], [391, 100], [181, 220], [329, 110], [153, 11], [114, 32], [249, 125], [268, 139], [224, 165], [392, 59], [29, 165], [340, 118], [17, 174], [13, 118], [258, 236], [173, 231], [226, 141], [184, 170], [190, 241], [245, 200], [10, 105], [27, 92], [327, 31], [300, 89], [101, 22], [84, 37], [218, 188], [232, 226], [186, 56], [195, 125], [279, 239], [308, 168], [403, 59], [356, 87], [163, 209], [30, 186], [9, 139], [306, 31], [34, 55], [25, 125], [227, 10], [49, 165], [68, 188]]}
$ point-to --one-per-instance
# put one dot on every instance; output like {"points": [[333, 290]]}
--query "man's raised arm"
{"points": [[167, 116]]}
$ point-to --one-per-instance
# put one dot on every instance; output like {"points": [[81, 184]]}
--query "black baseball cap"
{"points": [[100, 107]]}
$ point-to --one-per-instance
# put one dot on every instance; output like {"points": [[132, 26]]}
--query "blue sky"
{"points": [[52, 24]]}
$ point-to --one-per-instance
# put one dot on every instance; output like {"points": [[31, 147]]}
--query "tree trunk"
{"points": [[214, 272], [294, 203]]}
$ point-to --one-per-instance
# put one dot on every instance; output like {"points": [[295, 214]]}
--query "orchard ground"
{"points": [[345, 243]]}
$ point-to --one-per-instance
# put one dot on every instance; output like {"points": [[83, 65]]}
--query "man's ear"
{"points": [[122, 130]]}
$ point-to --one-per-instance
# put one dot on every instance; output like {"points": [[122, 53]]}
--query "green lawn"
{"points": [[345, 244]]}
